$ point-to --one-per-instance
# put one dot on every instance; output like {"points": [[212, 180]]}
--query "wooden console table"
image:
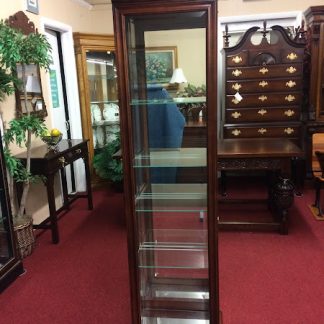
{"points": [[262, 154], [47, 163]]}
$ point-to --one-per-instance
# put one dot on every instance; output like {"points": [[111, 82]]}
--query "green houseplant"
{"points": [[107, 165], [192, 111], [18, 48]]}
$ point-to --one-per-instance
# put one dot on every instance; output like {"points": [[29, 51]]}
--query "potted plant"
{"points": [[108, 166], [18, 48], [192, 111]]}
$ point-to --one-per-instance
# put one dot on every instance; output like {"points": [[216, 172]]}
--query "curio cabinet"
{"points": [[165, 50], [97, 79], [10, 264]]}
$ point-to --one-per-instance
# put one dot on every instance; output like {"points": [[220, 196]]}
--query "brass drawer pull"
{"points": [[264, 70], [291, 70], [262, 112], [236, 115], [237, 72], [235, 101], [237, 59], [289, 113], [288, 130], [263, 84], [263, 98], [292, 56], [290, 84], [290, 98], [236, 132], [78, 151], [62, 160], [262, 131], [236, 86]]}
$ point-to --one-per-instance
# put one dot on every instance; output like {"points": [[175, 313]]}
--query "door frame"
{"points": [[72, 91]]}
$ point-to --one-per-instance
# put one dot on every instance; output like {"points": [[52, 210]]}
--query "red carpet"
{"points": [[265, 278]]}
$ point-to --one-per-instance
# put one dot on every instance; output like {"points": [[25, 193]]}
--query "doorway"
{"points": [[64, 107]]}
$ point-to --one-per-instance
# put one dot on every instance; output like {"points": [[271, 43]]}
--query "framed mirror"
{"points": [[35, 101]]}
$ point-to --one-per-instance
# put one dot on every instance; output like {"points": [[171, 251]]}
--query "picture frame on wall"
{"points": [[160, 63], [32, 6]]}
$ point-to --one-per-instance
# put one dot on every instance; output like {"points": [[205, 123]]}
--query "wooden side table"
{"points": [[47, 163], [268, 154]]}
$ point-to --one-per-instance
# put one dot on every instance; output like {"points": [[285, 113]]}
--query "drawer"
{"points": [[73, 155], [264, 100], [67, 158], [262, 131], [264, 85], [261, 115], [239, 59], [292, 55], [267, 71]]}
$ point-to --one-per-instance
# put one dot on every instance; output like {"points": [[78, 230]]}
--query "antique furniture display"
{"points": [[48, 162], [10, 264], [315, 43], [264, 85], [172, 225], [258, 154], [97, 79]]}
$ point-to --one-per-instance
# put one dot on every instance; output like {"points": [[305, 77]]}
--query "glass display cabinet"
{"points": [[170, 189], [10, 264], [97, 78]]}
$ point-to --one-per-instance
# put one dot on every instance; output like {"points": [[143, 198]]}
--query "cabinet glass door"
{"points": [[6, 240], [173, 219], [102, 77], [10, 264]]}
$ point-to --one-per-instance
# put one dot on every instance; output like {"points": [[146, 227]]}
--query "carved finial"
{"points": [[20, 21], [226, 36], [264, 32], [300, 33]]}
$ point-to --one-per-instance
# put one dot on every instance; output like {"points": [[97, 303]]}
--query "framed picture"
{"points": [[160, 63], [32, 6]]}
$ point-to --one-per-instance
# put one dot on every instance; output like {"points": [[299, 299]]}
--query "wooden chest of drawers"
{"points": [[263, 86]]}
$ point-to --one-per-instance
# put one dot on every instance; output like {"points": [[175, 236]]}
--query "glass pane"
{"points": [[102, 77], [170, 160], [6, 247]]}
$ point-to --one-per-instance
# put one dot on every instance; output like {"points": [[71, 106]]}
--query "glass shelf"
{"points": [[183, 157], [104, 123], [104, 102], [104, 77], [188, 239], [177, 258], [180, 100], [174, 198]]}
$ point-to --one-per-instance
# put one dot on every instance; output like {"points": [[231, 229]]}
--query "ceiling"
{"points": [[97, 2]]}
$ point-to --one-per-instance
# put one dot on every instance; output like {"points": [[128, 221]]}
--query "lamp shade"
{"points": [[178, 76], [32, 84]]}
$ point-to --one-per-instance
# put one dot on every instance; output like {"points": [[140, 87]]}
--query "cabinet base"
{"points": [[7, 278]]}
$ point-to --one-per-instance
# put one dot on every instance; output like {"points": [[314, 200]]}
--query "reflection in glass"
{"points": [[102, 78]]}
